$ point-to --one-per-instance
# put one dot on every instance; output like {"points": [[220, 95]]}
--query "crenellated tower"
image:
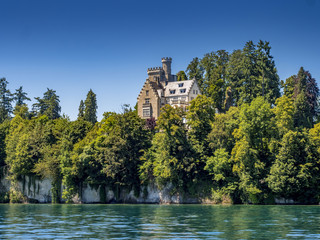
{"points": [[166, 66], [162, 75]]}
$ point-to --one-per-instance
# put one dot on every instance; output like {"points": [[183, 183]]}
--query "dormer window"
{"points": [[147, 100], [180, 84], [183, 90], [172, 91]]}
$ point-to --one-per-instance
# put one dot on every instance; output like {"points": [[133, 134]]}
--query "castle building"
{"points": [[161, 87]]}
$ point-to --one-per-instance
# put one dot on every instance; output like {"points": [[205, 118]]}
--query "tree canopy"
{"points": [[241, 141]]}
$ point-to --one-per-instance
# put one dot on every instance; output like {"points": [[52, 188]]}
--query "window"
{"points": [[182, 90], [147, 100], [194, 91], [146, 112], [172, 91], [180, 84], [147, 92]]}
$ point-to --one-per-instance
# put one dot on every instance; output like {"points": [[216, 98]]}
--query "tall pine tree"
{"points": [[303, 89], [5, 100], [90, 110], [48, 105], [81, 110], [20, 97]]}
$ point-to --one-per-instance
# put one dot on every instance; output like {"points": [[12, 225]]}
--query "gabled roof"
{"points": [[187, 85], [154, 87]]}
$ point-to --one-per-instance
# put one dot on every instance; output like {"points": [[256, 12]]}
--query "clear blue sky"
{"points": [[72, 46]]}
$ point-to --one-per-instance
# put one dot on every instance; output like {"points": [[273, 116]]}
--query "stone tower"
{"points": [[166, 66]]}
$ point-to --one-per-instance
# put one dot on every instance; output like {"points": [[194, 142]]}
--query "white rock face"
{"points": [[90, 195], [40, 190], [283, 201]]}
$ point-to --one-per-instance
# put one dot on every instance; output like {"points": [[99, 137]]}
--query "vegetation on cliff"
{"points": [[242, 139]]}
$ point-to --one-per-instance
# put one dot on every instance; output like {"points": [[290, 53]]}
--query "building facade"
{"points": [[161, 87]]}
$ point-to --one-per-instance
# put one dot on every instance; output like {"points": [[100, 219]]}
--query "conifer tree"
{"points": [[20, 96], [48, 105], [5, 100], [90, 110], [195, 70], [81, 110], [303, 89], [251, 73]]}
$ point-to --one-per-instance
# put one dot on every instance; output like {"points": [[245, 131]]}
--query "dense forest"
{"points": [[249, 138]]}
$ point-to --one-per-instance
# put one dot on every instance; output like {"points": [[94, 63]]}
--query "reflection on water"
{"points": [[159, 222]]}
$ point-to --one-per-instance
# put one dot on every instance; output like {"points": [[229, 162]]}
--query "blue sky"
{"points": [[72, 46]]}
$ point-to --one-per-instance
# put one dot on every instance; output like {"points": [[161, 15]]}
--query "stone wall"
{"points": [[153, 100]]}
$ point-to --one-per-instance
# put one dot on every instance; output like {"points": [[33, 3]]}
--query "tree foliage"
{"points": [[81, 110], [293, 173], [49, 105], [90, 109], [20, 97], [5, 100], [181, 76], [239, 142]]}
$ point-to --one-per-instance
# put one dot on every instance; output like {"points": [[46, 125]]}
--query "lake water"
{"points": [[159, 222]]}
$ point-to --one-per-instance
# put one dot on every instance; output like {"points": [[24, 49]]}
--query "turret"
{"points": [[166, 65]]}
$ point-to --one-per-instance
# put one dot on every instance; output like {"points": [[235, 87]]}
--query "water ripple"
{"points": [[158, 222]]}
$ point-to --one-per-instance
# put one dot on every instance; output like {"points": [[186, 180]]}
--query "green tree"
{"points": [[251, 73], [195, 71], [223, 126], [214, 83], [123, 148], [48, 105], [235, 75], [268, 76], [81, 110], [181, 76], [303, 89], [108, 155], [200, 116], [249, 85], [302, 112], [288, 86], [170, 159], [20, 97], [5, 101], [90, 110], [220, 167], [228, 101], [314, 135], [284, 111], [4, 129], [294, 172], [252, 153], [312, 93]]}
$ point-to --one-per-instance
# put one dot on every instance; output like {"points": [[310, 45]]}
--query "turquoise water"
{"points": [[159, 222]]}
